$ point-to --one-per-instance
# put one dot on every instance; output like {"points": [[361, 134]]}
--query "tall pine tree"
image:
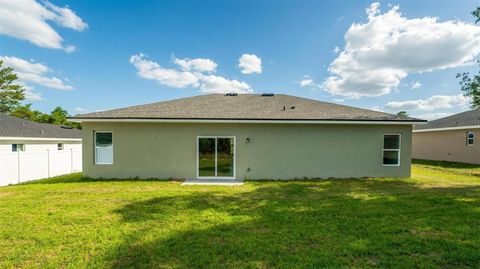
{"points": [[11, 93]]}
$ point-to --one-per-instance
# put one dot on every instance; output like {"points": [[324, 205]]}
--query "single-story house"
{"points": [[449, 139], [18, 134], [31, 150], [245, 136]]}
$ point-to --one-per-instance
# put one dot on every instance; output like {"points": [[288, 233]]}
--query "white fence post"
{"points": [[48, 163], [71, 160], [18, 164]]}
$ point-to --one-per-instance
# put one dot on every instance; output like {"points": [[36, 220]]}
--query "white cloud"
{"points": [[29, 71], [336, 50], [217, 84], [306, 82], [433, 103], [151, 70], [434, 116], [70, 49], [201, 65], [191, 75], [415, 85], [250, 63], [65, 17], [79, 109], [28, 20], [385, 49]]}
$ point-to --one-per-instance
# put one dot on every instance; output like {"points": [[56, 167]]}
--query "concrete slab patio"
{"points": [[213, 182]]}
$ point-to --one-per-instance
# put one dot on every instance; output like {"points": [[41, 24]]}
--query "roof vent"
{"points": [[267, 94], [231, 94]]}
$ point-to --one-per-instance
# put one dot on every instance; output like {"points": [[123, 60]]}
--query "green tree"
{"points": [[476, 14], [470, 85], [402, 114], [11, 93], [24, 112], [59, 116], [43, 118]]}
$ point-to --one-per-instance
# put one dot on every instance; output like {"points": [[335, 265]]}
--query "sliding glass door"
{"points": [[216, 157], [206, 157]]}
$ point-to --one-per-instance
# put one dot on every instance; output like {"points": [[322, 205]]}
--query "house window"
{"points": [[59, 146], [470, 138], [391, 149], [103, 147], [18, 147]]}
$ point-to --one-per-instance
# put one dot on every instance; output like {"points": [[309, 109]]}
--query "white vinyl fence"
{"points": [[21, 166]]}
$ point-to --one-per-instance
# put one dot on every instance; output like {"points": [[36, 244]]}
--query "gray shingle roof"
{"points": [[244, 107], [468, 118], [16, 127]]}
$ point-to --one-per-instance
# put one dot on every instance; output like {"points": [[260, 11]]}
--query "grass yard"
{"points": [[431, 220]]}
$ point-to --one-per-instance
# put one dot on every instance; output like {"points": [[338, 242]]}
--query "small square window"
{"points": [[59, 146], [18, 147]]}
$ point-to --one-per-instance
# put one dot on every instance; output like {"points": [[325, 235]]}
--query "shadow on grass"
{"points": [[445, 164], [347, 223]]}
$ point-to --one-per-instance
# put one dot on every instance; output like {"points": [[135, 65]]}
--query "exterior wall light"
{"points": [[247, 140]]}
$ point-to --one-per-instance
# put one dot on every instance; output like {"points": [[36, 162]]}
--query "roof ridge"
{"points": [[245, 106], [41, 124]]}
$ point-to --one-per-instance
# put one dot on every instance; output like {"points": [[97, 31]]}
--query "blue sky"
{"points": [[294, 40]]}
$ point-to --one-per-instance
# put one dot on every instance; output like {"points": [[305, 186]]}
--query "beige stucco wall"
{"points": [[446, 146], [275, 151]]}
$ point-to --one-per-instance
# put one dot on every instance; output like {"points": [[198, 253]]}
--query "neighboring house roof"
{"points": [[243, 107], [16, 127], [463, 120]]}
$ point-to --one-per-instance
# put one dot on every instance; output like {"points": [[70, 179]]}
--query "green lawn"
{"points": [[431, 220]]}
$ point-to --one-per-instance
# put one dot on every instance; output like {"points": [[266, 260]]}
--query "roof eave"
{"points": [[277, 121], [39, 138], [447, 129]]}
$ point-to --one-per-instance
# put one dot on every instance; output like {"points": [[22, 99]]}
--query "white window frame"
{"points": [[399, 150], [60, 146], [468, 138], [95, 147], [18, 144], [234, 157]]}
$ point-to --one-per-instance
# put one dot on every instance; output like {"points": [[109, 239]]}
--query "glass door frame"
{"points": [[216, 152]]}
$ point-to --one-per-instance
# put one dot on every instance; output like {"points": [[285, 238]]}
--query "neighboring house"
{"points": [[245, 136], [31, 150], [453, 138], [18, 134]]}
